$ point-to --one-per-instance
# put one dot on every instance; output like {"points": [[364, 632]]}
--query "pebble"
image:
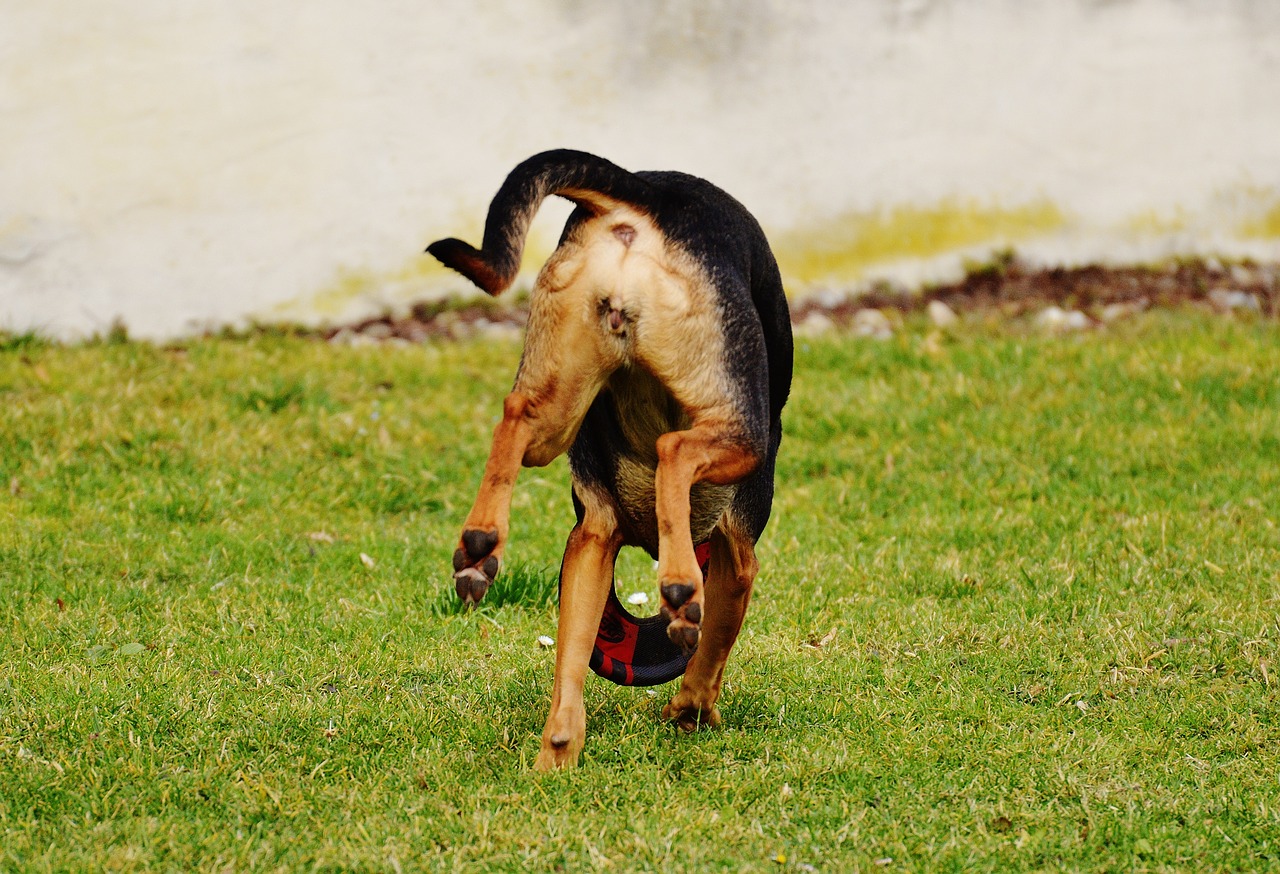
{"points": [[1228, 299], [498, 330], [1055, 318], [815, 325], [1123, 309], [829, 298], [415, 332], [348, 337], [872, 323], [1242, 275], [942, 315]]}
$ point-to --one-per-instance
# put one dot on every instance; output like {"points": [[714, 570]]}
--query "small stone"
{"points": [[815, 325], [942, 315], [1228, 299], [1242, 275], [451, 325], [872, 323], [1055, 318], [498, 330], [345, 337], [414, 332], [829, 298], [1123, 309], [377, 331]]}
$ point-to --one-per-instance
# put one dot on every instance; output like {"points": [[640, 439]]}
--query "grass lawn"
{"points": [[1018, 609]]}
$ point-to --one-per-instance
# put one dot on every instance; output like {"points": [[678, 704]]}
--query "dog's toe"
{"points": [[475, 567], [690, 717], [682, 608], [684, 634], [470, 584]]}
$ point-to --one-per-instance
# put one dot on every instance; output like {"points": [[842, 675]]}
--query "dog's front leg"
{"points": [[731, 572], [707, 452], [585, 577], [484, 534]]}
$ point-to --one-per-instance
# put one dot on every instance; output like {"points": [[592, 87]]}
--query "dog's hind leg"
{"points": [[731, 573], [704, 453], [585, 578]]}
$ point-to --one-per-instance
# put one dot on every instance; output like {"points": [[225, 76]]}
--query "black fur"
{"points": [[729, 245]]}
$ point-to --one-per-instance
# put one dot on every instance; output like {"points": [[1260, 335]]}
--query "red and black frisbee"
{"points": [[637, 652]]}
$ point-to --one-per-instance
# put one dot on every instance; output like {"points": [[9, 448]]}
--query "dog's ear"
{"points": [[587, 180]]}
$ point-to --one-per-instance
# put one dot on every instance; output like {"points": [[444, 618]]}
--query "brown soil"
{"points": [[1006, 287], [1010, 288]]}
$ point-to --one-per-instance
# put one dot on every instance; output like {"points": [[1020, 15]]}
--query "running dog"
{"points": [[658, 354]]}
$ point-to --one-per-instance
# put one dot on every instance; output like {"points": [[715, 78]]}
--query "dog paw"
{"points": [[557, 758], [562, 742], [689, 715], [474, 564], [682, 608]]}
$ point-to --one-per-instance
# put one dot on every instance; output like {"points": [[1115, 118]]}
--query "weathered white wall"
{"points": [[175, 163]]}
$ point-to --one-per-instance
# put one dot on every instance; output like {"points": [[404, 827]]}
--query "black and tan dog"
{"points": [[658, 354]]}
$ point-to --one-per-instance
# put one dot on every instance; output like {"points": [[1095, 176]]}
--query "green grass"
{"points": [[1017, 610]]}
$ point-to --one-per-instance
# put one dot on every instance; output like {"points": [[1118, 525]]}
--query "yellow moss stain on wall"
{"points": [[371, 290], [1266, 225], [1152, 223], [844, 248], [353, 285]]}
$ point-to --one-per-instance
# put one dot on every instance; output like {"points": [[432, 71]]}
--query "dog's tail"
{"points": [[587, 180]]}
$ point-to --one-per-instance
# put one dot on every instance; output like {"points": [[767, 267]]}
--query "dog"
{"points": [[658, 354]]}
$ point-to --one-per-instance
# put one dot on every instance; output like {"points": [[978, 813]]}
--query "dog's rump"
{"points": [[683, 207]]}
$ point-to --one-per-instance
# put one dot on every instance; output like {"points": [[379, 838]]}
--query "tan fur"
{"points": [[731, 573], [646, 411], [492, 509], [585, 578], [618, 304]]}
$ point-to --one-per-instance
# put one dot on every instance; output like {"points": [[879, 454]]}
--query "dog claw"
{"points": [[684, 635], [470, 584]]}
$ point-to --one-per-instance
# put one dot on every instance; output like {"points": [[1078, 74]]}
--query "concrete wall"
{"points": [[176, 164]]}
